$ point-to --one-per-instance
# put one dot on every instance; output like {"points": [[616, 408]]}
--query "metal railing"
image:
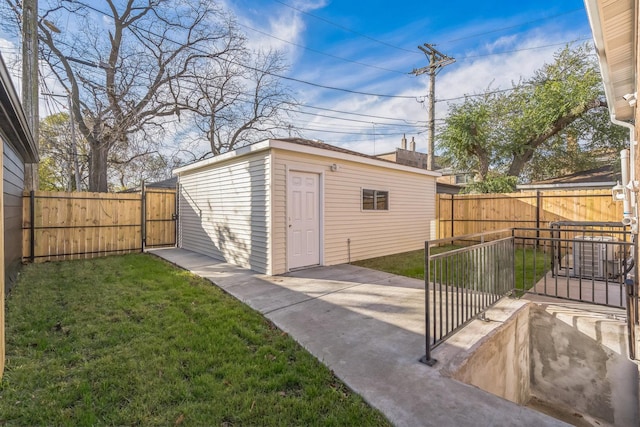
{"points": [[586, 262], [461, 284], [592, 262]]}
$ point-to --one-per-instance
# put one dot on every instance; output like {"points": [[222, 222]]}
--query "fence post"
{"points": [[538, 203], [32, 219], [177, 214], [426, 359], [143, 214], [452, 205]]}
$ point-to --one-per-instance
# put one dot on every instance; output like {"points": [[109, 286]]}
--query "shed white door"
{"points": [[303, 219]]}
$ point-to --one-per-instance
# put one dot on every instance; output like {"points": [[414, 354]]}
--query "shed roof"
{"points": [[13, 121], [305, 146], [601, 177]]}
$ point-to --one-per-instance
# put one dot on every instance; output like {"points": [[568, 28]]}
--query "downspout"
{"points": [[624, 172], [630, 190], [630, 212], [627, 162]]}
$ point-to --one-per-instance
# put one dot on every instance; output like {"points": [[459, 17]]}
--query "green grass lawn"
{"points": [[131, 340], [530, 266]]}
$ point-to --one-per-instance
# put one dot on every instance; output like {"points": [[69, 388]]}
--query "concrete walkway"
{"points": [[368, 327]]}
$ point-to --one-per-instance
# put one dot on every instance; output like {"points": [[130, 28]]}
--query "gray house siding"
{"points": [[18, 147], [13, 176], [224, 211]]}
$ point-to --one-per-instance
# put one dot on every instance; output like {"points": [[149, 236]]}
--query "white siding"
{"points": [[224, 211], [405, 226]]}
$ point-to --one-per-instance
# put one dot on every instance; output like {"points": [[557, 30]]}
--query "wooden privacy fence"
{"points": [[58, 226], [475, 213]]}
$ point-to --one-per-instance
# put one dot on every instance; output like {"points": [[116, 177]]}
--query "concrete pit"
{"points": [[567, 360]]}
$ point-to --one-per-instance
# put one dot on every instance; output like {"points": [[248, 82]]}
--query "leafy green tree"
{"points": [[470, 135], [555, 122], [47, 176], [56, 169], [493, 183]]}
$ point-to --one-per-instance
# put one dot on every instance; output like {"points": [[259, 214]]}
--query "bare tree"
{"points": [[125, 71], [240, 101]]}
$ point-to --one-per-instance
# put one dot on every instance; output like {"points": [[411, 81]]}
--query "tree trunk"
{"points": [[519, 162], [98, 168]]}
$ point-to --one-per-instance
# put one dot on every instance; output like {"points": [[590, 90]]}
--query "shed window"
{"points": [[375, 200]]}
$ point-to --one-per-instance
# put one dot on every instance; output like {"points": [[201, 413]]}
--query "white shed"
{"points": [[280, 205]]}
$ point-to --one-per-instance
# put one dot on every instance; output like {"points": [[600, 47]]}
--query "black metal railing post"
{"points": [[461, 284], [427, 359], [632, 302]]}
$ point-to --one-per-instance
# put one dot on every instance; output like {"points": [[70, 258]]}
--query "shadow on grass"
{"points": [[131, 340], [531, 264]]}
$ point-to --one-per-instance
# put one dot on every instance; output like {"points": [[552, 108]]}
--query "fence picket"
{"points": [[87, 225], [474, 213]]}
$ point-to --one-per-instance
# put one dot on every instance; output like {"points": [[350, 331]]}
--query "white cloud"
{"points": [[467, 77], [277, 27], [11, 57]]}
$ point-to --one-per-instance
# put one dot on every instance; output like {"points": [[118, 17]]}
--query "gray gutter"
{"points": [[13, 122]]}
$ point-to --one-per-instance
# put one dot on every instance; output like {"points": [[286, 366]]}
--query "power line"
{"points": [[437, 60], [297, 121], [512, 26], [355, 92], [355, 133], [321, 52], [358, 114], [448, 41], [344, 28], [350, 120], [313, 83], [475, 95], [329, 87], [406, 123], [524, 49]]}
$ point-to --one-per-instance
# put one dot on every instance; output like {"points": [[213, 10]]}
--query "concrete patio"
{"points": [[368, 327]]}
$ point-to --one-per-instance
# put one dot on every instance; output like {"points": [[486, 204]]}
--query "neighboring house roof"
{"points": [[602, 177], [305, 146], [613, 26], [165, 183], [325, 146], [13, 121], [444, 188]]}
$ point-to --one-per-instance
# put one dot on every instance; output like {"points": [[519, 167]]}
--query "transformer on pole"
{"points": [[437, 61]]}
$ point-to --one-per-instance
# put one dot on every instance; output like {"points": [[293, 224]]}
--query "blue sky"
{"points": [[372, 47]]}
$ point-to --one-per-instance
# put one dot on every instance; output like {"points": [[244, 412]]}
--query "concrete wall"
{"points": [[500, 362], [567, 362], [579, 360]]}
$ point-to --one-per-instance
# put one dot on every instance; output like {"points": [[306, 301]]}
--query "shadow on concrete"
{"points": [[370, 334]]}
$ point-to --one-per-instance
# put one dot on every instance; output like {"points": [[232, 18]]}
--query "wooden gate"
{"points": [[160, 217]]}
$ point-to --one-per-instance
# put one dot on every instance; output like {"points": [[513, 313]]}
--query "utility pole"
{"points": [[30, 82], [437, 61], [74, 148]]}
